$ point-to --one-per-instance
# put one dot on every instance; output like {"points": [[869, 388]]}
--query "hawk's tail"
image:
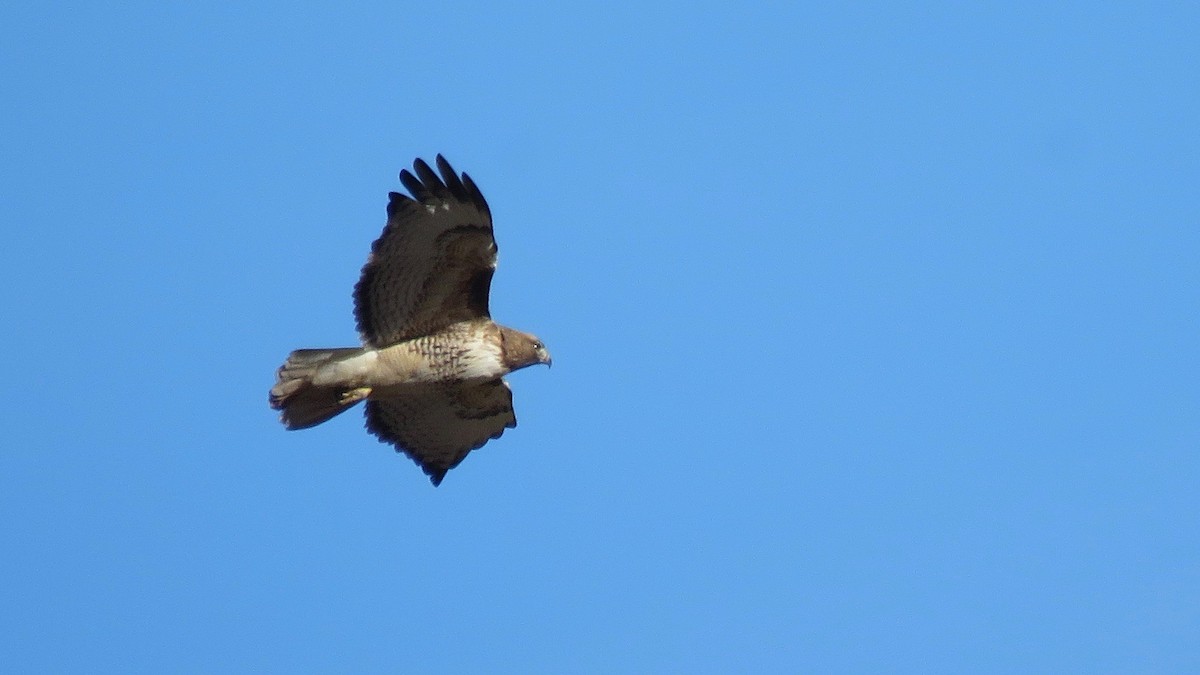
{"points": [[304, 404]]}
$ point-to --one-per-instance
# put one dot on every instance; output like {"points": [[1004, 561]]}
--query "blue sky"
{"points": [[874, 331]]}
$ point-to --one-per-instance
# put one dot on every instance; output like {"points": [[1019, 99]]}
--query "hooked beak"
{"points": [[544, 357]]}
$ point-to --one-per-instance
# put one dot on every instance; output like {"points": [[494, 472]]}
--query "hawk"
{"points": [[432, 361]]}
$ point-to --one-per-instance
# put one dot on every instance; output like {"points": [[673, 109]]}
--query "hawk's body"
{"points": [[432, 359]]}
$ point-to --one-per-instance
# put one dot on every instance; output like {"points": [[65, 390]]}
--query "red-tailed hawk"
{"points": [[432, 360]]}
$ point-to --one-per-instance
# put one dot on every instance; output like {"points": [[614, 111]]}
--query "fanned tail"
{"points": [[304, 404]]}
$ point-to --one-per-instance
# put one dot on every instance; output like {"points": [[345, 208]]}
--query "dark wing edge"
{"points": [[426, 187], [377, 422]]}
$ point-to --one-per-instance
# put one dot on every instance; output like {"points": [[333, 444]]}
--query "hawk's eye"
{"points": [[538, 345]]}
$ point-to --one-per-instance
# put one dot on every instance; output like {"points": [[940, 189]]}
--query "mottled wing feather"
{"points": [[438, 424], [433, 264]]}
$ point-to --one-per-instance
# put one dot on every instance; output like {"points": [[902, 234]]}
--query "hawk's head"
{"points": [[522, 349]]}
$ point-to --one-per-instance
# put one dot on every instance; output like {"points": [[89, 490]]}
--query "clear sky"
{"points": [[875, 337]]}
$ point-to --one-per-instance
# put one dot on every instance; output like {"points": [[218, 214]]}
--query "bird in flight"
{"points": [[432, 361]]}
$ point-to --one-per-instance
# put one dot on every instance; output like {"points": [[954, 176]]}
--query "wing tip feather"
{"points": [[433, 184], [414, 185], [424, 184], [397, 201], [476, 196]]}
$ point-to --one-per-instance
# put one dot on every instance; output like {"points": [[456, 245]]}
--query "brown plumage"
{"points": [[432, 360]]}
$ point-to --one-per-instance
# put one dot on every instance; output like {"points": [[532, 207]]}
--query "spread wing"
{"points": [[433, 264], [438, 424]]}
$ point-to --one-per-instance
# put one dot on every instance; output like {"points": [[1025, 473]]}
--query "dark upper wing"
{"points": [[433, 264], [438, 424]]}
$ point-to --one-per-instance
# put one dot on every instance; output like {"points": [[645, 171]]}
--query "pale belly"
{"points": [[420, 361]]}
